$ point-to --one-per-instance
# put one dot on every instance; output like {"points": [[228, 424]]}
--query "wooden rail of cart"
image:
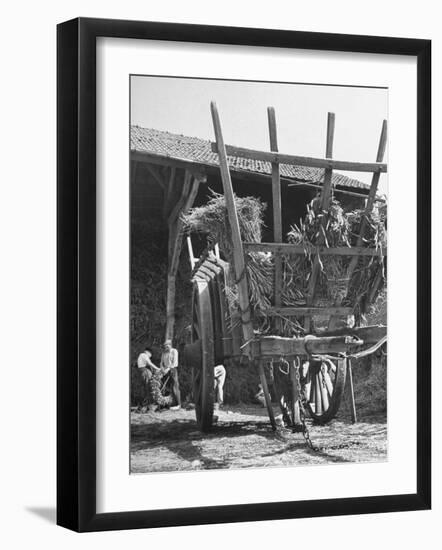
{"points": [[325, 358]]}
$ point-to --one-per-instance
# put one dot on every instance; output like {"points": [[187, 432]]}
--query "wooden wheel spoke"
{"points": [[318, 397], [328, 382], [326, 390]]}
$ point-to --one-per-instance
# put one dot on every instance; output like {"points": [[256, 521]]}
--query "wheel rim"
{"points": [[324, 384], [202, 331]]}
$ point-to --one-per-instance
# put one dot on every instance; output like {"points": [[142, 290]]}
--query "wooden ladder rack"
{"points": [[275, 158]]}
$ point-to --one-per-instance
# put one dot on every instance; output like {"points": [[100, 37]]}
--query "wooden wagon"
{"points": [[314, 366]]}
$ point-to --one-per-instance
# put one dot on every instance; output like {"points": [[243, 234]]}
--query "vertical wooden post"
{"points": [[354, 417], [371, 194], [175, 222], [295, 404], [326, 196], [276, 199], [265, 389], [238, 252], [190, 250], [368, 208]]}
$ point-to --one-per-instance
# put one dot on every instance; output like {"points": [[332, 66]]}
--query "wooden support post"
{"points": [[324, 205], [295, 160], [292, 249], [368, 208], [180, 203], [276, 199], [295, 405], [351, 391], [265, 389], [238, 252], [189, 192], [190, 250]]}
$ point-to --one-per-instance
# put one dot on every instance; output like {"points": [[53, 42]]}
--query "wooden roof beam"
{"points": [[295, 160]]}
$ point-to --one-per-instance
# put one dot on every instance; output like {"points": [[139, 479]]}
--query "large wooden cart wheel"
{"points": [[324, 383], [203, 375]]}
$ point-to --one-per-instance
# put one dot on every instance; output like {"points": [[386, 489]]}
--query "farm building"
{"points": [[170, 173]]}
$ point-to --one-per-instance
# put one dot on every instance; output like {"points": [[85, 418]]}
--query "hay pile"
{"points": [[334, 228]]}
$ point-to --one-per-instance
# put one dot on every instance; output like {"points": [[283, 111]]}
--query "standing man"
{"points": [[169, 363], [219, 379], [146, 368]]}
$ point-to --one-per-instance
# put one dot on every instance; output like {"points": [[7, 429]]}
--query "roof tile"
{"points": [[168, 145]]}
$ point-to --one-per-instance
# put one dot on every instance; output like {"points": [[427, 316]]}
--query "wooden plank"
{"points": [[295, 160], [238, 253], [275, 346], [208, 269], [293, 249], [370, 335], [276, 201], [325, 204], [361, 196], [306, 311]]}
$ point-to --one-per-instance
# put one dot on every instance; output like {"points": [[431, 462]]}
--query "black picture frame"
{"points": [[76, 273]]}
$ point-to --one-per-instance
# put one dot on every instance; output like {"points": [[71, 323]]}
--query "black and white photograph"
{"points": [[220, 235], [258, 274]]}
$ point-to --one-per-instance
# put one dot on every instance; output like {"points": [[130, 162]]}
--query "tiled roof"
{"points": [[168, 145]]}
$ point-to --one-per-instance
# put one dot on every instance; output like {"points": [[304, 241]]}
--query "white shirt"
{"points": [[169, 359], [144, 359]]}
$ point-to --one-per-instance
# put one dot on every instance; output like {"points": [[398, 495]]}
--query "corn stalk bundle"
{"points": [[335, 228], [337, 284]]}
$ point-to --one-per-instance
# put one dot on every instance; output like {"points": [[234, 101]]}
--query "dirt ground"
{"points": [[243, 438]]}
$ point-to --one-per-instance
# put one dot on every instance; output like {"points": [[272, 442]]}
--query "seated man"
{"points": [[219, 379]]}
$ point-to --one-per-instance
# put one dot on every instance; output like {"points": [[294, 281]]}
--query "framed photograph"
{"points": [[243, 274]]}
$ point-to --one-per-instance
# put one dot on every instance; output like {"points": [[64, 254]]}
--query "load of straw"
{"points": [[335, 228]]}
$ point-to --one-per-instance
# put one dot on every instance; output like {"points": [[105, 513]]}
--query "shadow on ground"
{"points": [[243, 438]]}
